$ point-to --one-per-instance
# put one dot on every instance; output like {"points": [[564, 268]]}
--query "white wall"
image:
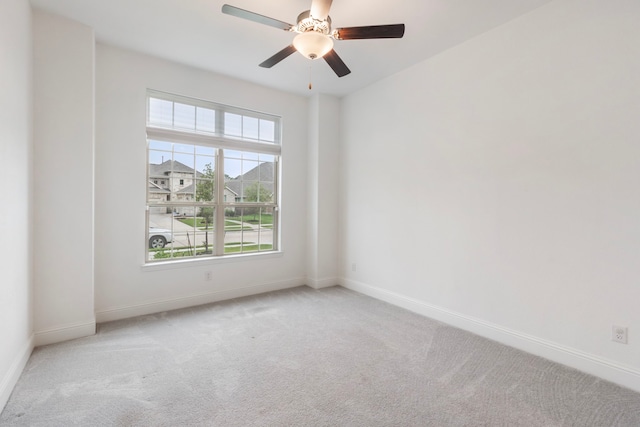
{"points": [[63, 178], [323, 187], [15, 216], [123, 286], [517, 159]]}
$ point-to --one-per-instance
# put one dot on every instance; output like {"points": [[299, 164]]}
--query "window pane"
{"points": [[256, 192], [186, 191], [249, 181], [259, 192], [183, 163], [160, 112], [160, 145], [184, 116], [248, 230], [158, 157], [267, 158], [232, 124], [250, 156], [250, 127], [267, 172], [203, 243], [232, 167], [267, 131], [205, 183], [232, 154], [205, 165], [185, 232], [205, 190], [160, 232], [208, 151], [183, 148], [205, 120], [156, 191], [266, 230], [249, 169]]}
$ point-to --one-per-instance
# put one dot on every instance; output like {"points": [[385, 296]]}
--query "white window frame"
{"points": [[219, 141]]}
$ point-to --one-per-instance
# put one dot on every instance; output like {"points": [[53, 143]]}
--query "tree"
{"points": [[256, 192], [204, 193]]}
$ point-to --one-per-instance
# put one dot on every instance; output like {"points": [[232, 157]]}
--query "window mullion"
{"points": [[219, 122], [219, 197], [275, 221]]}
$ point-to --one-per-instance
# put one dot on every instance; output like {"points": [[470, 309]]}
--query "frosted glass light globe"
{"points": [[313, 45]]}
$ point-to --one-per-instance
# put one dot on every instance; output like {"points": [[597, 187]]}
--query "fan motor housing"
{"points": [[306, 22]]}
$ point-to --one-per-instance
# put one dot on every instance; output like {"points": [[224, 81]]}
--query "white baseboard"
{"points": [[603, 368], [158, 306], [15, 370], [65, 333], [322, 283]]}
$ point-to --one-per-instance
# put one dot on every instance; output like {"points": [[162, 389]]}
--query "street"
{"points": [[188, 236]]}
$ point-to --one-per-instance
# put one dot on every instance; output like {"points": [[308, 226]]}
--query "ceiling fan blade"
{"points": [[251, 16], [320, 9], [278, 57], [395, 31], [336, 63]]}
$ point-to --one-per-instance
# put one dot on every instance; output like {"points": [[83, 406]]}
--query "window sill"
{"points": [[190, 263]]}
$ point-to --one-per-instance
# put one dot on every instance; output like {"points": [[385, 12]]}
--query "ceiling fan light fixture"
{"points": [[313, 45], [315, 36]]}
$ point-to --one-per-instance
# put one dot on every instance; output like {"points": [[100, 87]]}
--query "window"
{"points": [[220, 165]]}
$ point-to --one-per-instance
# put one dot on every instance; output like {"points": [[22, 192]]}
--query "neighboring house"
{"points": [[174, 181], [158, 194], [172, 175], [263, 174]]}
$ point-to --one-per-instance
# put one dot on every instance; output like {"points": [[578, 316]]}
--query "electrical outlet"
{"points": [[208, 276], [619, 334]]}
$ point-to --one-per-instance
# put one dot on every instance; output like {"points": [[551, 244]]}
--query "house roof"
{"points": [[186, 190], [155, 188], [165, 168], [262, 173]]}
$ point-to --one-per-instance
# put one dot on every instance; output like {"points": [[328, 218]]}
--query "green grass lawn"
{"points": [[247, 248], [234, 226], [230, 248], [200, 224], [264, 219]]}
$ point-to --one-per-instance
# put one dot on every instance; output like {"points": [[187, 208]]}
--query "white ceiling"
{"points": [[197, 33]]}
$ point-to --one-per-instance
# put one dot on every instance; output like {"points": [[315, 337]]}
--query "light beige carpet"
{"points": [[303, 357]]}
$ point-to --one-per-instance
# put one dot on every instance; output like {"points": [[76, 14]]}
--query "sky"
{"points": [[197, 157]]}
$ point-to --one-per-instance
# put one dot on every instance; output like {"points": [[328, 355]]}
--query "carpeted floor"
{"points": [[303, 357]]}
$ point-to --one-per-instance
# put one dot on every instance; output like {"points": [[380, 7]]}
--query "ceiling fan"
{"points": [[315, 35]]}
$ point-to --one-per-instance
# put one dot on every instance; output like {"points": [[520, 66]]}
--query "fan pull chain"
{"points": [[310, 84]]}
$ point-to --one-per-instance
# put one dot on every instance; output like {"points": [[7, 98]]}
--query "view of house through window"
{"points": [[211, 179]]}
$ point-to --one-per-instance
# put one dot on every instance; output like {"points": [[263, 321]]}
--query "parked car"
{"points": [[159, 237]]}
